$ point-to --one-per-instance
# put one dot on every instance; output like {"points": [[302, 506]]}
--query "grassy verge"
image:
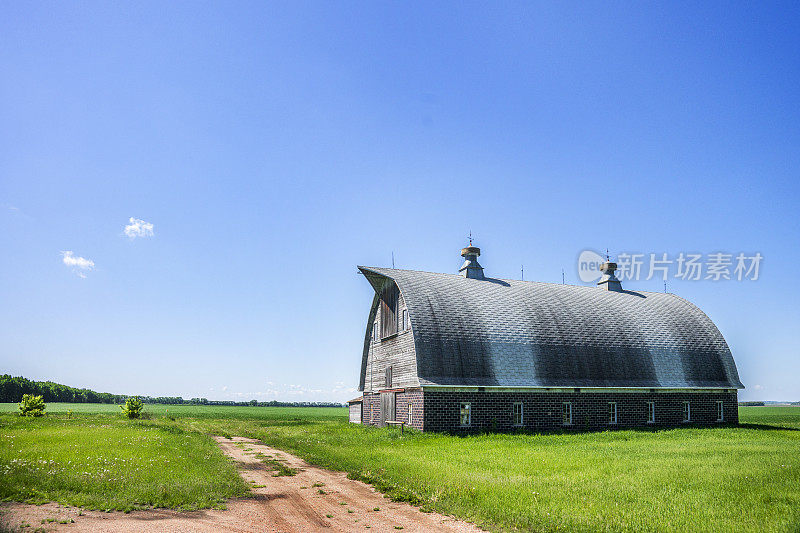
{"points": [[110, 463]]}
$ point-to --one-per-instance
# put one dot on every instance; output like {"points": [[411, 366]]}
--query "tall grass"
{"points": [[743, 478], [687, 479], [109, 463]]}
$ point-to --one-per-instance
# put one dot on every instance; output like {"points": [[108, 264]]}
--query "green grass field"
{"points": [[743, 478]]}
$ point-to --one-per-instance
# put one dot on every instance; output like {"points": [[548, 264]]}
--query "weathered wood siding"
{"points": [[396, 350], [355, 413]]}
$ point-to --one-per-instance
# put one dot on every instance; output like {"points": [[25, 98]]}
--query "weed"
{"points": [[279, 468]]}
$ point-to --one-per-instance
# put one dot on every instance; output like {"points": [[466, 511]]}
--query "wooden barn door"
{"points": [[387, 407]]}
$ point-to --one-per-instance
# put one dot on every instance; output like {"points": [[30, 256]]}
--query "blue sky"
{"points": [[275, 146]]}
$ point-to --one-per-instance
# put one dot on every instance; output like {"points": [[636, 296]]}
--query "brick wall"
{"points": [[590, 411], [372, 407]]}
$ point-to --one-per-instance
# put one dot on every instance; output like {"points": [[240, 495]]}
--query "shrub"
{"points": [[132, 408], [31, 405]]}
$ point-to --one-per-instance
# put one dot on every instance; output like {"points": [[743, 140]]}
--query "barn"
{"points": [[466, 352]]}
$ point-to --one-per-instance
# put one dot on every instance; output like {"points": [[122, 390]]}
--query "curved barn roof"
{"points": [[508, 333]]}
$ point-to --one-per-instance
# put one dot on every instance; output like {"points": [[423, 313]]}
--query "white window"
{"points": [[410, 413], [612, 412], [651, 412], [375, 332], [720, 412], [466, 414], [566, 414], [518, 414], [405, 324], [687, 412]]}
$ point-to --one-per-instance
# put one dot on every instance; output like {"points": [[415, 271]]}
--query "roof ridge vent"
{"points": [[608, 280], [471, 268]]}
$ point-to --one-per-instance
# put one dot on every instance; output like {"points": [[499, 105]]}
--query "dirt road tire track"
{"points": [[283, 504]]}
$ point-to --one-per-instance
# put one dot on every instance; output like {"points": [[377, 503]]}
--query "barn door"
{"points": [[387, 407]]}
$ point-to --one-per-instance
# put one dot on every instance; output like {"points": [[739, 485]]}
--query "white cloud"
{"points": [[138, 228], [80, 265]]}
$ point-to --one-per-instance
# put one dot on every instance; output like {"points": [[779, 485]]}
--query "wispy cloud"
{"points": [[138, 228], [79, 265], [15, 211]]}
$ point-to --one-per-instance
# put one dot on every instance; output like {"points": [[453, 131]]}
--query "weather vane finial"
{"points": [[470, 237], [608, 258]]}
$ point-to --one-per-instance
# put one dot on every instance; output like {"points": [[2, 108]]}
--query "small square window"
{"points": [[720, 412], [566, 414], [651, 412], [466, 414], [687, 412], [612, 412], [518, 414]]}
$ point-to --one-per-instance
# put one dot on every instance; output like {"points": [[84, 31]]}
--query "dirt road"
{"points": [[313, 499]]}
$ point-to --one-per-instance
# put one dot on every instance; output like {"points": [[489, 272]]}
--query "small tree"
{"points": [[31, 405], [132, 408]]}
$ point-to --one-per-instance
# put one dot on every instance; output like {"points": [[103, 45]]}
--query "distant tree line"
{"points": [[169, 400], [752, 404], [12, 389]]}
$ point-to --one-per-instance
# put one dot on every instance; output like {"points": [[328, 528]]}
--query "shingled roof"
{"points": [[510, 333]]}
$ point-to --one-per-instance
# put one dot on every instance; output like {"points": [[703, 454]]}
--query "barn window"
{"points": [[720, 412], [410, 413], [687, 412], [612, 412], [405, 325], [518, 414], [388, 377], [466, 414], [389, 297], [566, 414], [375, 332], [651, 412]]}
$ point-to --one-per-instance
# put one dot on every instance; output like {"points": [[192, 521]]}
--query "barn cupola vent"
{"points": [[471, 268], [608, 280]]}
